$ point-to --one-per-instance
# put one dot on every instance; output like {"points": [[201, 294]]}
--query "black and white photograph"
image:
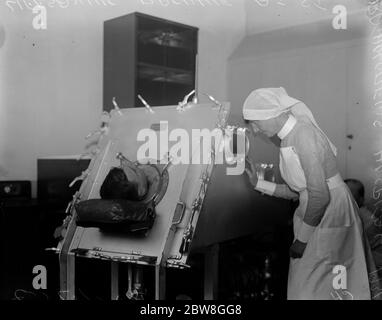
{"points": [[190, 157]]}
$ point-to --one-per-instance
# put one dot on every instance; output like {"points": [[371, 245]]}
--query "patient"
{"points": [[127, 182], [371, 224], [118, 186]]}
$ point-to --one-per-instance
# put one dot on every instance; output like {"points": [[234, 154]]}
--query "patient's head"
{"points": [[117, 186], [357, 189]]}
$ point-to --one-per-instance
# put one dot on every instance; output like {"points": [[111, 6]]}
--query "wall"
{"points": [[271, 15], [51, 80]]}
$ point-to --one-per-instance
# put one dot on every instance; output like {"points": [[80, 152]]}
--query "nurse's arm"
{"points": [[269, 188], [283, 191], [276, 190], [310, 148]]}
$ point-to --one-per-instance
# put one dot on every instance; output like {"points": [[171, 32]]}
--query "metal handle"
{"points": [[182, 207]]}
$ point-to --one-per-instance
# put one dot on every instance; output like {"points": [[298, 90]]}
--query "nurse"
{"points": [[327, 228]]}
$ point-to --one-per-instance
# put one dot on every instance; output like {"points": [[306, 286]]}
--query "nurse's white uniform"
{"points": [[337, 240]]}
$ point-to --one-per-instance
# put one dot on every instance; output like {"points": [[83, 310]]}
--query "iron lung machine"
{"points": [[184, 187]]}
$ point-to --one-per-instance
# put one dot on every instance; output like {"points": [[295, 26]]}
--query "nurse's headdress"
{"points": [[268, 103]]}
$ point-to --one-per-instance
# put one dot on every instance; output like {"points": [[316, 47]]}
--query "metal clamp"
{"points": [[196, 205], [83, 176], [187, 237], [121, 157], [116, 107], [147, 106], [76, 197], [221, 123], [218, 103], [184, 103]]}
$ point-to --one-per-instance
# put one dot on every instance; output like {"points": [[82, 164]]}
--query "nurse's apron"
{"points": [[337, 241]]}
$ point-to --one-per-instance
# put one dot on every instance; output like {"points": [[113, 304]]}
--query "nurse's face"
{"points": [[267, 127]]}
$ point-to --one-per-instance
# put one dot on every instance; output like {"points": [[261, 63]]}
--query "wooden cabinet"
{"points": [[145, 55]]}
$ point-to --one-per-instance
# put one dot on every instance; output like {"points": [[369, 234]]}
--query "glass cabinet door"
{"points": [[166, 61]]}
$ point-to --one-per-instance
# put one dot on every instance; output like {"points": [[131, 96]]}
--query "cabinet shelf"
{"points": [[164, 74], [151, 38]]}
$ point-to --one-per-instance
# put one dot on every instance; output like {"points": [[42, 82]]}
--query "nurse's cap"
{"points": [[267, 103]]}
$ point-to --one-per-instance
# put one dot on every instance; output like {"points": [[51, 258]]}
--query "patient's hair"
{"points": [[357, 189], [117, 186]]}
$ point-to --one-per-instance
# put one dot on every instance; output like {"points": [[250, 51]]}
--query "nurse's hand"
{"points": [[251, 172], [297, 249]]}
